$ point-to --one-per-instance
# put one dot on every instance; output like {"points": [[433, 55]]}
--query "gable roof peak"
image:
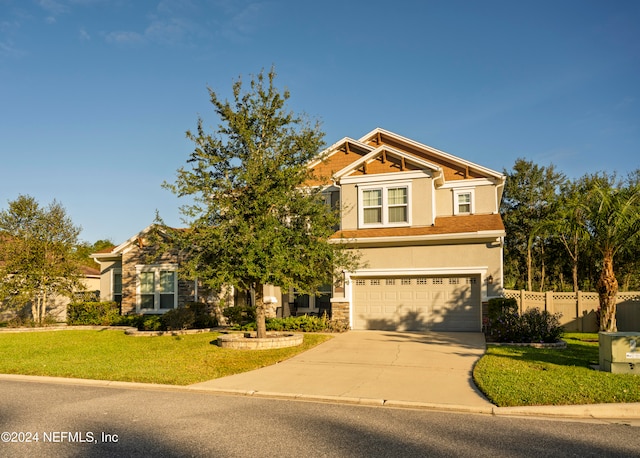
{"points": [[378, 132]]}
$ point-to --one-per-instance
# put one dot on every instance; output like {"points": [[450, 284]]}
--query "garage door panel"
{"points": [[390, 296], [418, 303]]}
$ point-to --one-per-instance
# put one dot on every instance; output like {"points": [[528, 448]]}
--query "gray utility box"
{"points": [[620, 352]]}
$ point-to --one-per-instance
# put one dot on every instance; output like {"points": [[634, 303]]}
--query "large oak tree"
{"points": [[253, 219]]}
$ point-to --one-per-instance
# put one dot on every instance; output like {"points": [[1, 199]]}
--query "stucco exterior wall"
{"points": [[451, 256], [420, 200], [349, 206], [484, 200], [106, 278]]}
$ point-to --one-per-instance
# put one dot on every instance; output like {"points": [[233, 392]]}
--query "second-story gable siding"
{"points": [[484, 199], [420, 201]]}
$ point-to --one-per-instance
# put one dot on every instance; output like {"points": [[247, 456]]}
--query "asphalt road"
{"points": [[89, 421]]}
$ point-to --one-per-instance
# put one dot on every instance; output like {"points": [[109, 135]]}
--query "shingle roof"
{"points": [[443, 225]]}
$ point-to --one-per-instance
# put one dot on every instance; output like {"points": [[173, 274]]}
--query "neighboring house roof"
{"points": [[116, 251], [90, 271]]}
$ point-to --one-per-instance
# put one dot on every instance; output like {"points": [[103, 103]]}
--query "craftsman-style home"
{"points": [[426, 223]]}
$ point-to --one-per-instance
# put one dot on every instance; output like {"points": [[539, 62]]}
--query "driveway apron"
{"points": [[432, 368]]}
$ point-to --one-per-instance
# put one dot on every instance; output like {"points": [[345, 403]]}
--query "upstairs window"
{"points": [[372, 206], [463, 202], [397, 205], [384, 206]]}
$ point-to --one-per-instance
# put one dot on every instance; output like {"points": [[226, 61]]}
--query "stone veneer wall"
{"points": [[140, 255], [340, 311]]}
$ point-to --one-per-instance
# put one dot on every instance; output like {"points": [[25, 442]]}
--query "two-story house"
{"points": [[428, 227], [426, 224]]}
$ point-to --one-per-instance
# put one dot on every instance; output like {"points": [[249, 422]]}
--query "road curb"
{"points": [[628, 411]]}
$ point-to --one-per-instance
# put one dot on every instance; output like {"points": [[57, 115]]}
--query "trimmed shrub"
{"points": [[142, 322], [499, 306], [151, 323], [194, 315], [506, 325], [240, 316], [93, 313], [178, 319], [203, 317], [304, 323], [540, 326]]}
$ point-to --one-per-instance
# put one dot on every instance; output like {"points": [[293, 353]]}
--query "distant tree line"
{"points": [[557, 228], [40, 256], [570, 235]]}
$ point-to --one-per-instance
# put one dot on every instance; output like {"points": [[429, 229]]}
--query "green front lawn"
{"points": [[111, 355], [522, 376]]}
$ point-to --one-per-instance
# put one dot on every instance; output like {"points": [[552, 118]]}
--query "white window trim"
{"points": [[456, 206], [156, 268], [385, 204]]}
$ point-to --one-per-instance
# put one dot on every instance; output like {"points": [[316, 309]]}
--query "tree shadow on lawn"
{"points": [[573, 355]]}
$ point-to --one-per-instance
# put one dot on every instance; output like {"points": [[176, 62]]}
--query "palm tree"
{"points": [[613, 224]]}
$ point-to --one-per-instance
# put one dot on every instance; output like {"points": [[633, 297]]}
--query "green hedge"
{"points": [[240, 315], [194, 315], [93, 313], [507, 325], [304, 323]]}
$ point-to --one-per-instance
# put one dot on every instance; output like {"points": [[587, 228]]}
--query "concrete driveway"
{"points": [[374, 367]]}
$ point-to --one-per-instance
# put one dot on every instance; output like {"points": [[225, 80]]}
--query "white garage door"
{"points": [[417, 303]]}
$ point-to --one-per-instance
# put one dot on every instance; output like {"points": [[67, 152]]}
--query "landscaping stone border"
{"points": [[559, 345], [128, 330], [249, 341], [183, 332], [65, 327]]}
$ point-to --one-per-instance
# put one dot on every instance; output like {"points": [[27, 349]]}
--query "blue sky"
{"points": [[96, 95]]}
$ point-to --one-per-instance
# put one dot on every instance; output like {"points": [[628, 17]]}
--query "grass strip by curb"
{"points": [[527, 376]]}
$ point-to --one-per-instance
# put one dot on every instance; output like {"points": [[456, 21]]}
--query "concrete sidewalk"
{"points": [[374, 367]]}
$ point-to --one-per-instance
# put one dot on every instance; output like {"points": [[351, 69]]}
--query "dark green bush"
{"points": [[304, 323], [194, 315], [151, 323], [506, 325], [129, 320], [141, 322], [203, 317], [240, 315], [93, 313], [540, 326], [499, 306], [178, 319]]}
